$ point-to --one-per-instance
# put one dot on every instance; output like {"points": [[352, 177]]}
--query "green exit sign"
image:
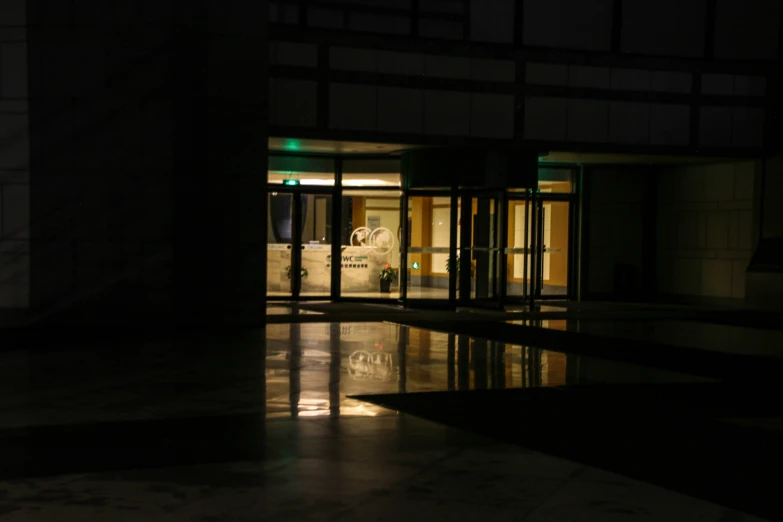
{"points": [[291, 182]]}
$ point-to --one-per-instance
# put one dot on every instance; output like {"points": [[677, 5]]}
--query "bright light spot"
{"points": [[368, 183]]}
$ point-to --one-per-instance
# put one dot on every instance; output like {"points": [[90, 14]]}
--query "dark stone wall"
{"points": [[765, 271], [14, 164], [148, 153], [618, 242]]}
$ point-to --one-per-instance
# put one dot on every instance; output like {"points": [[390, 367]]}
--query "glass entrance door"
{"points": [[519, 248], [480, 229], [553, 248], [430, 216], [279, 258], [299, 245], [538, 248]]}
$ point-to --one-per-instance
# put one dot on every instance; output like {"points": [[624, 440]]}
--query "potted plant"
{"points": [[386, 277], [302, 272], [450, 263], [455, 263]]}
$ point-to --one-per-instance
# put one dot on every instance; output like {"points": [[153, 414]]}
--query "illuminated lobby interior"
{"points": [[371, 231]]}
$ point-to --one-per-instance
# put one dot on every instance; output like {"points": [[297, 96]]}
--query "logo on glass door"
{"points": [[381, 240]]}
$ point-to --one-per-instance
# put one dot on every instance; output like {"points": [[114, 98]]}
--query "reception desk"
{"points": [[359, 267]]}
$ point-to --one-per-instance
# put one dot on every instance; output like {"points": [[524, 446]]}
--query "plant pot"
{"points": [[385, 286]]}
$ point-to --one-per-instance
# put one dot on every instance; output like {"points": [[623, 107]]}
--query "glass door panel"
{"points": [[370, 237], [519, 262], [299, 232], [315, 245], [480, 249], [429, 232], [279, 241], [555, 254]]}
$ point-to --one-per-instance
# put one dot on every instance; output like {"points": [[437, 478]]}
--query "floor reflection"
{"points": [[313, 369]]}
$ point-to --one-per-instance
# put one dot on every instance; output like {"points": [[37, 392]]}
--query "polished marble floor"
{"points": [[298, 369], [267, 426]]}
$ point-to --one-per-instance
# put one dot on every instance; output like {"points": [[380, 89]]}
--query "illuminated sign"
{"points": [[415, 265], [291, 182]]}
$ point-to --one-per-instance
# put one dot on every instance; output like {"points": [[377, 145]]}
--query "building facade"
{"points": [[179, 163]]}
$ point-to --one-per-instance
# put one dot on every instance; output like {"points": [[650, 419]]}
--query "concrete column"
{"points": [[14, 164], [765, 271], [220, 163], [148, 161]]}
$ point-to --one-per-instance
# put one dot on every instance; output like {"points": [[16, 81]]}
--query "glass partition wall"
{"points": [[430, 215], [334, 228], [343, 228]]}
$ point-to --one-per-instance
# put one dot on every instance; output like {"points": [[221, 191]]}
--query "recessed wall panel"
{"points": [[492, 70], [664, 27], [589, 77], [492, 116], [631, 79], [353, 59], [629, 123], [293, 102], [492, 21], [546, 118], [588, 120], [747, 29], [715, 126], [391, 62], [379, 23], [568, 24], [439, 66], [671, 81], [669, 124], [400, 110], [447, 113], [352, 106], [445, 29], [747, 127], [546, 74]]}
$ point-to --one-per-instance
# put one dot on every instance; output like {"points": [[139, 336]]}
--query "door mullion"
{"points": [[541, 249], [466, 228], [296, 246]]}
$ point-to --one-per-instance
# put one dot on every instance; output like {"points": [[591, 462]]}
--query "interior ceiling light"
{"points": [[320, 182], [367, 183]]}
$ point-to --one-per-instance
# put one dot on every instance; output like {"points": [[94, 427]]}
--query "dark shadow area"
{"points": [[670, 435]]}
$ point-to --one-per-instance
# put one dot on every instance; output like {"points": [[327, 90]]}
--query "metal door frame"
{"points": [[451, 301], [296, 193], [571, 276], [528, 249], [465, 242]]}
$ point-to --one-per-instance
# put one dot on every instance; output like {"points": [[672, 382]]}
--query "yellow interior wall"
{"points": [[558, 239], [421, 235], [558, 261]]}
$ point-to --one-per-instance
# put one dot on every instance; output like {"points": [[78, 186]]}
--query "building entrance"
{"points": [[349, 229]]}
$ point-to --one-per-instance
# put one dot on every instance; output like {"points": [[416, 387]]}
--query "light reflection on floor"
{"points": [[313, 369], [325, 456]]}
